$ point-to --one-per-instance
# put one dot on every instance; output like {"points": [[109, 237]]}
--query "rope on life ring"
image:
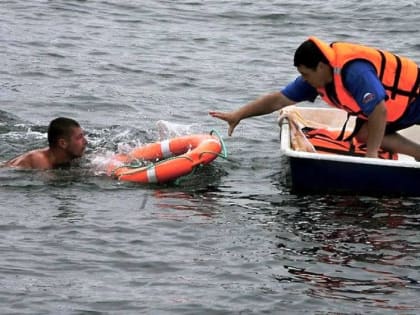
{"points": [[176, 157]]}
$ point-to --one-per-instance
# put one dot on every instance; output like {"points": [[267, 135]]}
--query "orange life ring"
{"points": [[176, 157]]}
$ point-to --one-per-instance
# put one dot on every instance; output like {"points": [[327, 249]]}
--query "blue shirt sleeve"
{"points": [[299, 91], [361, 80]]}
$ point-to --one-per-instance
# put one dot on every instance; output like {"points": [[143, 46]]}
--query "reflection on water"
{"points": [[67, 207], [186, 204], [373, 292], [373, 242]]}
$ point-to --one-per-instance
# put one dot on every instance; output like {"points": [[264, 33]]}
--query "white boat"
{"points": [[310, 171]]}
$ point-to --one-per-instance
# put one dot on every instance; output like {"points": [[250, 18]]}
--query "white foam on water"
{"points": [[99, 161], [168, 129]]}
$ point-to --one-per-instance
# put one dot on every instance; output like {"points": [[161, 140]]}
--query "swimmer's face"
{"points": [[76, 143]]}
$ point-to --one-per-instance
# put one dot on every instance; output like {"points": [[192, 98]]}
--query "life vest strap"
{"points": [[383, 63], [397, 76], [358, 125]]}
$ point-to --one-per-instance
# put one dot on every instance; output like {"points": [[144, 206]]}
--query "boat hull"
{"points": [[321, 176], [309, 172]]}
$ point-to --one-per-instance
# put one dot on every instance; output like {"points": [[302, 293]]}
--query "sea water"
{"points": [[230, 238]]}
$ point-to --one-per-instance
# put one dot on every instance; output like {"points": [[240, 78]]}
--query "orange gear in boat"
{"points": [[325, 141], [176, 157]]}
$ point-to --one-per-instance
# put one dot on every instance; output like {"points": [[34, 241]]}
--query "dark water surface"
{"points": [[229, 239]]}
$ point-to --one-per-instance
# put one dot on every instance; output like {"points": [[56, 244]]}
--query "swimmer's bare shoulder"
{"points": [[36, 159]]}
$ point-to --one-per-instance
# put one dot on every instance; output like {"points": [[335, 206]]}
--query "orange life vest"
{"points": [[325, 141], [400, 77]]}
